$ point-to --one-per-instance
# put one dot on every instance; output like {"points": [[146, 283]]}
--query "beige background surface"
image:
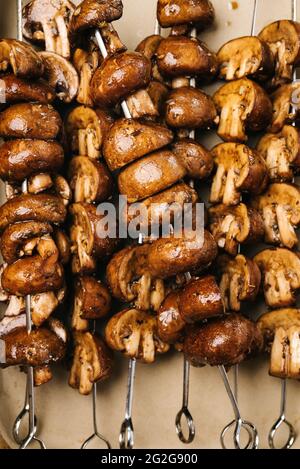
{"points": [[64, 416]]}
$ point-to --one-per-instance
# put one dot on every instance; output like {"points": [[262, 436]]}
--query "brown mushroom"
{"points": [[239, 169], [190, 108], [37, 121], [42, 375], [195, 157], [61, 76], [283, 38], [118, 77], [19, 159], [86, 63], [279, 207], [20, 58], [14, 90], [281, 153], [285, 103], [92, 14], [134, 333], [281, 276], [148, 47], [177, 12], [240, 281], [235, 225], [170, 325], [243, 106], [111, 39], [86, 129], [93, 298], [90, 180], [62, 242], [46, 22], [222, 342], [243, 57], [141, 106], [92, 362], [128, 139], [158, 93]]}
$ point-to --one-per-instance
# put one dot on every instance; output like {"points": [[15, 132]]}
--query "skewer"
{"points": [[96, 434], [282, 419], [29, 405]]}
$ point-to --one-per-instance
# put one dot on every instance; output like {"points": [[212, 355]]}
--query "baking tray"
{"points": [[65, 417]]}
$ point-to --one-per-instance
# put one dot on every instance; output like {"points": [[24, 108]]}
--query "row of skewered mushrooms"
{"points": [[64, 135]]}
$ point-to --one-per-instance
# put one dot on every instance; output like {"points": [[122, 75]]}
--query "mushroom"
{"points": [[46, 22], [92, 298], [195, 157], [89, 240], [129, 139], [178, 56], [43, 207], [11, 323], [19, 159], [42, 375], [61, 76], [62, 189], [20, 58], [92, 362], [39, 183], [283, 38], [279, 207], [120, 76], [285, 103], [14, 89], [243, 106], [40, 347], [235, 225], [86, 63], [177, 12], [86, 129], [170, 325], [37, 121], [134, 333], [222, 342], [62, 242], [140, 105], [239, 169], [190, 108], [243, 57], [148, 47], [281, 153], [281, 331], [281, 276], [112, 41], [92, 14], [158, 93], [240, 281]]}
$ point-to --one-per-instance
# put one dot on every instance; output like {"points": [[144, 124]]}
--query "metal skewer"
{"points": [[282, 419]]}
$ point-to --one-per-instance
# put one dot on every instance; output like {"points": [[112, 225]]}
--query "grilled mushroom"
{"points": [[90, 180], [243, 106], [247, 56], [86, 63], [236, 225], [20, 58], [170, 325], [46, 22], [14, 90], [92, 362], [86, 129], [134, 333], [148, 47], [281, 276], [240, 281], [92, 14], [283, 38], [61, 76], [37, 121], [285, 103], [239, 169], [91, 298], [279, 207], [177, 12], [281, 153]]}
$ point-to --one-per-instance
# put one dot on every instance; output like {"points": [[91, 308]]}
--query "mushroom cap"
{"points": [[91, 14], [21, 58], [177, 12]]}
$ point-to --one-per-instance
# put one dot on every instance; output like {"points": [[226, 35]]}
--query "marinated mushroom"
{"points": [[90, 180], [240, 281], [92, 362], [62, 242], [129, 139], [195, 157], [285, 103], [91, 298], [243, 57], [243, 106], [61, 76], [134, 333], [283, 38], [170, 325], [92, 14], [118, 77], [86, 129], [177, 12], [281, 153], [141, 106], [86, 63], [190, 108], [20, 58], [148, 47], [14, 89], [224, 341], [281, 276], [19, 159], [235, 225], [239, 169], [46, 22], [37, 121]]}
